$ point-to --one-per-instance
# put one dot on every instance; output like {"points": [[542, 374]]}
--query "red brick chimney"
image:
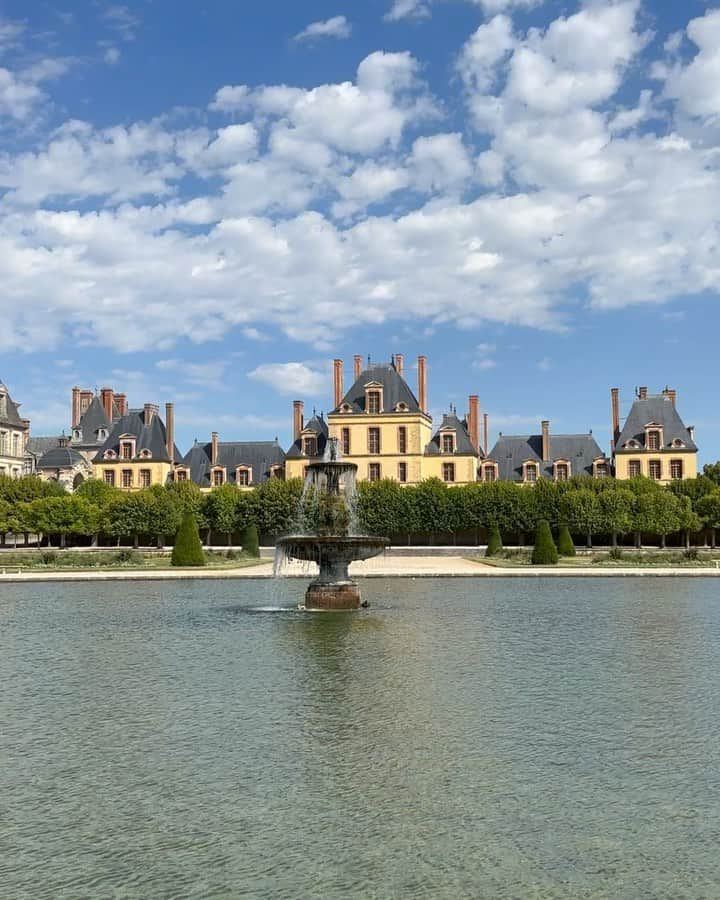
{"points": [[615, 398], [672, 394], [422, 383], [545, 440], [75, 406], [106, 398], [298, 407], [170, 431], [357, 361], [473, 420], [642, 393], [486, 434], [121, 403], [86, 398], [399, 364], [215, 440], [337, 382]]}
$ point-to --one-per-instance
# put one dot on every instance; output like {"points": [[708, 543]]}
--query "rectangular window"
{"points": [[126, 450], [345, 442], [561, 472], [653, 440], [634, 468], [676, 468], [655, 469], [448, 443], [109, 477], [181, 475], [145, 478], [374, 472], [601, 470], [3, 442], [16, 445], [402, 439], [373, 402], [402, 472], [243, 477], [448, 471], [218, 477], [531, 473], [373, 440], [127, 478], [310, 446], [489, 473]]}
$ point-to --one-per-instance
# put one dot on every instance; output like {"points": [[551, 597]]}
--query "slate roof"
{"points": [[61, 458], [147, 436], [395, 390], [12, 417], [510, 452], [259, 456], [463, 444], [92, 419], [319, 426], [38, 446], [658, 409]]}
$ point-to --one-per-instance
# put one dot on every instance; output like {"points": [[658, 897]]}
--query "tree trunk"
{"points": [[662, 541], [613, 539], [229, 539], [2, 539], [136, 541], [638, 540], [712, 538], [26, 537], [63, 538], [95, 540], [160, 543], [589, 541], [209, 537], [687, 538]]}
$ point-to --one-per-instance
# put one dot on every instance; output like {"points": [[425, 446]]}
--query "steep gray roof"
{"points": [[147, 436], [510, 452], [38, 446], [395, 390], [319, 426], [92, 419], [259, 456], [60, 458], [660, 410], [12, 417], [463, 444]]}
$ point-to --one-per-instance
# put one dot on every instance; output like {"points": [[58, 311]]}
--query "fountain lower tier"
{"points": [[333, 588]]}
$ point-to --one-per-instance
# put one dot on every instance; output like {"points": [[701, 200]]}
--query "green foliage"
{"points": [[544, 552], [128, 515], [165, 512], [277, 502], [494, 544], [708, 509], [126, 556], [565, 545], [250, 541], [221, 509], [616, 553], [187, 550], [581, 511], [97, 492], [712, 471], [692, 554], [616, 510], [28, 488], [48, 557]]}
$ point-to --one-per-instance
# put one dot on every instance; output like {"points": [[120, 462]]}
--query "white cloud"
{"points": [[336, 27], [696, 86], [112, 56], [405, 9], [292, 378]]}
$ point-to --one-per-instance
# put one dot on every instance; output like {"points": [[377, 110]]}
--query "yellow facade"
{"points": [[113, 471], [643, 459]]}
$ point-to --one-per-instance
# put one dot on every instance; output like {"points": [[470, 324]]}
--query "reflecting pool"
{"points": [[475, 738]]}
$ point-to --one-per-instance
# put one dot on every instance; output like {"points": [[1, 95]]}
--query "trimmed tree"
{"points": [[544, 552], [188, 550], [566, 545], [494, 544], [250, 541]]}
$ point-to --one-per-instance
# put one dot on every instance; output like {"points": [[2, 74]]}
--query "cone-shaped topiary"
{"points": [[494, 544], [566, 545], [188, 550], [544, 552], [250, 541]]}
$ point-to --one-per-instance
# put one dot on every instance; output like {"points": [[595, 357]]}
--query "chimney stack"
{"points": [[545, 440], [337, 381], [399, 364], [121, 404], [615, 398], [214, 450], [170, 431], [151, 409], [298, 423], [86, 398], [642, 393], [691, 432], [106, 398], [486, 448], [672, 394], [26, 433], [422, 383], [357, 361], [75, 406], [473, 420]]}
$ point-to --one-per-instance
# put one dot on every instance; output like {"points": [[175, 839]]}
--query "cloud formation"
{"points": [[336, 27]]}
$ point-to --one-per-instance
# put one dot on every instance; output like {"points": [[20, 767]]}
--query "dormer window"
{"points": [[217, 477], [632, 444], [401, 407], [374, 402], [243, 476], [101, 434], [127, 449], [310, 445], [181, 475], [678, 443], [653, 440], [490, 471], [109, 454], [276, 471], [562, 470], [346, 408], [145, 454], [447, 442], [77, 435], [601, 467], [530, 472]]}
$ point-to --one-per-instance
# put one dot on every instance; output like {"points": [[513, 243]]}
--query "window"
{"points": [[310, 446], [218, 477], [126, 449], [373, 440], [402, 439], [109, 478], [655, 469], [3, 442], [448, 471], [676, 468], [181, 475], [531, 473], [402, 472], [448, 443], [145, 454], [127, 478], [16, 445], [144, 478], [653, 440], [243, 477], [373, 402], [601, 470], [345, 442], [374, 472], [489, 473], [561, 472], [634, 468]]}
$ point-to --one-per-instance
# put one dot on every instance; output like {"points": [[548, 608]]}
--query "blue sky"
{"points": [[206, 202]]}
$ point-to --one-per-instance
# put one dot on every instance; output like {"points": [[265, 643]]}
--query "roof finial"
{"points": [[368, 360]]}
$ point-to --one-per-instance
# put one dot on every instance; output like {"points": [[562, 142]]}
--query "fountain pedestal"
{"points": [[321, 595]]}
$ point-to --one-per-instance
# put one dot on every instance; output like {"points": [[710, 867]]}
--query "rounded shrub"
{"points": [[494, 544], [544, 552], [565, 545], [188, 550], [250, 540]]}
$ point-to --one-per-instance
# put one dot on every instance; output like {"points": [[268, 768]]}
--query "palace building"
{"points": [[386, 430], [527, 458], [14, 433], [244, 464], [654, 441]]}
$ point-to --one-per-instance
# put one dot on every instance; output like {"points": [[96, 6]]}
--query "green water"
{"points": [[461, 738]]}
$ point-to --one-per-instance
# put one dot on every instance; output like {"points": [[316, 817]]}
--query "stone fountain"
{"points": [[327, 533]]}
